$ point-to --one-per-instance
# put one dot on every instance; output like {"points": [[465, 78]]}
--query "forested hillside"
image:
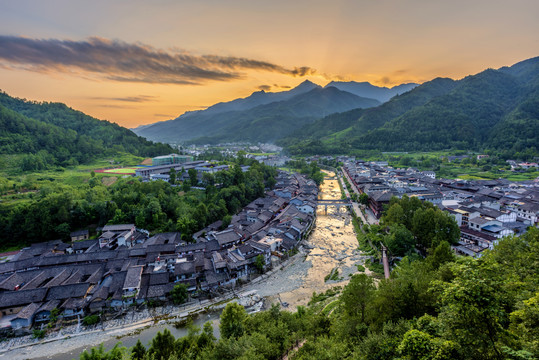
{"points": [[52, 134], [495, 109], [354, 123]]}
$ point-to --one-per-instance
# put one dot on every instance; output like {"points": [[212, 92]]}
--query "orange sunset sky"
{"points": [[137, 62]]}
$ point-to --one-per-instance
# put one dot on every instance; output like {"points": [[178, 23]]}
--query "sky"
{"points": [[137, 62]]}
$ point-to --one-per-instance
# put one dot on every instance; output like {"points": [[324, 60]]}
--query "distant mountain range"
{"points": [[260, 117], [495, 109]]}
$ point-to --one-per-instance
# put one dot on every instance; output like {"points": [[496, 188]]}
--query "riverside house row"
{"points": [[124, 266], [485, 210]]}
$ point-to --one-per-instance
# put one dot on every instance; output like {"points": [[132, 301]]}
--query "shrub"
{"points": [[90, 320]]}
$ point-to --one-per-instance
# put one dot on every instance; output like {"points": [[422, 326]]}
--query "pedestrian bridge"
{"points": [[345, 202], [338, 203]]}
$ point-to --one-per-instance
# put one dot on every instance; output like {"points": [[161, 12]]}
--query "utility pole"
{"points": [[385, 262]]}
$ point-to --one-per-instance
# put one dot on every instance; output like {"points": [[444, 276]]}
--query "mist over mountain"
{"points": [[365, 89]]}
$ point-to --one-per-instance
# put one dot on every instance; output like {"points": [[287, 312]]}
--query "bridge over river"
{"points": [[334, 202]]}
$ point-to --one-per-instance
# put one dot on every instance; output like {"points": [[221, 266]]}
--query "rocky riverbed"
{"points": [[331, 245]]}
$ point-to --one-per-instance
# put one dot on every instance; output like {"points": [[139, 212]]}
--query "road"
{"points": [[370, 218]]}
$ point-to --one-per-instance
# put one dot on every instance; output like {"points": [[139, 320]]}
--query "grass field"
{"points": [[17, 186], [118, 171]]}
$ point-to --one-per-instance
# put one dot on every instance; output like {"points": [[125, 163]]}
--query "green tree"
{"points": [[206, 339], [416, 345], [172, 175], [394, 215], [232, 319], [138, 351], [208, 179], [193, 179], [364, 199], [227, 219], [470, 311], [525, 323], [186, 186], [400, 240], [357, 295], [162, 345], [442, 254], [179, 294], [260, 262]]}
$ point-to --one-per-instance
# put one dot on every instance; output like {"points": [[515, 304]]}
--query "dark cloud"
{"points": [[113, 106], [135, 99], [265, 87], [385, 80], [400, 72], [164, 115], [282, 86], [129, 62]]}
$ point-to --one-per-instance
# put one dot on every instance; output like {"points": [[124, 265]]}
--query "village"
{"points": [[124, 267]]}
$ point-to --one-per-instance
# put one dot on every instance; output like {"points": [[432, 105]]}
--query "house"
{"points": [[307, 207], [73, 308], [493, 227], [476, 238], [25, 317], [120, 235], [83, 246], [274, 243], [464, 215], [12, 302], [527, 210], [43, 314], [80, 235], [430, 174], [227, 238], [171, 159], [377, 200], [132, 282]]}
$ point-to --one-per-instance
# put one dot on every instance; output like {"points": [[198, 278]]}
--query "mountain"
{"points": [[365, 89], [255, 99], [495, 109], [54, 134], [282, 113], [355, 123], [261, 98]]}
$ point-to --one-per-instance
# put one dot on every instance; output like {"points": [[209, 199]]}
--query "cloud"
{"points": [[165, 116], [386, 80], [135, 99], [112, 106], [265, 87], [129, 62]]}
